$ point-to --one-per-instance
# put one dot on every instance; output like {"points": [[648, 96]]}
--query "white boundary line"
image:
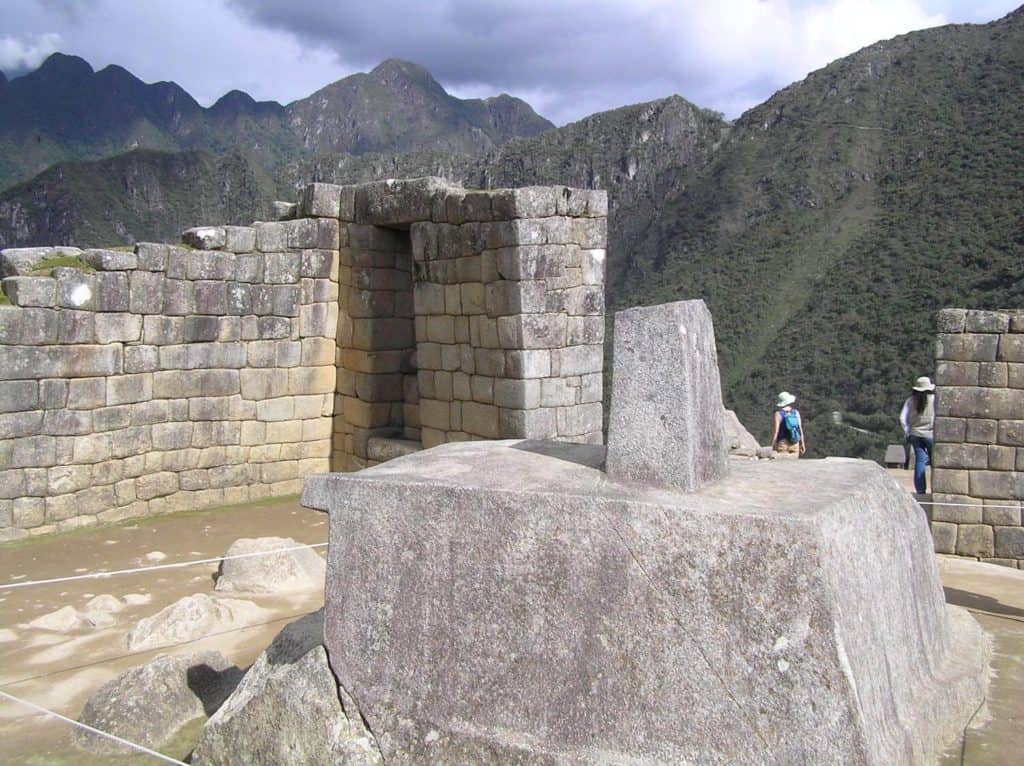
{"points": [[176, 565], [968, 505], [126, 743]]}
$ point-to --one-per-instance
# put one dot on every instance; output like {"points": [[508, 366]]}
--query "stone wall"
{"points": [[400, 314], [978, 474], [167, 378], [503, 337]]}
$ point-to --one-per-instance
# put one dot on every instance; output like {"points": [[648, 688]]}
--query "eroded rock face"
{"points": [[288, 710], [190, 618], [292, 570], [150, 705]]}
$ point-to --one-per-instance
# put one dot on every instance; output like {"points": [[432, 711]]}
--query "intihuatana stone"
{"points": [[666, 424], [737, 623]]}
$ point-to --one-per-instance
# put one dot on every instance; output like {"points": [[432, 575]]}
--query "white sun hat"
{"points": [[785, 398], [924, 383]]}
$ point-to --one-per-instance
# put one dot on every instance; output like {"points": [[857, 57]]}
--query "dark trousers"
{"points": [[922, 459]]}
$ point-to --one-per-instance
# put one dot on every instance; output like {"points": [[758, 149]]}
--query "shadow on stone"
{"points": [[212, 686], [981, 603]]}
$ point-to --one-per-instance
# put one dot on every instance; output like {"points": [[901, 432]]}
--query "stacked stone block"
{"points": [[386, 317], [978, 474], [507, 315], [168, 378]]}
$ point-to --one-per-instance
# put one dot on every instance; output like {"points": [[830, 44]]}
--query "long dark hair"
{"points": [[921, 399]]}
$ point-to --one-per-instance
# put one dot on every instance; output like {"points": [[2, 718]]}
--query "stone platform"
{"points": [[507, 602]]}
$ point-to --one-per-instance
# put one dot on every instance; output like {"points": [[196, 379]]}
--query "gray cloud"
{"points": [[568, 58]]}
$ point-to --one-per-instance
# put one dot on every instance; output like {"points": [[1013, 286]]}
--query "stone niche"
{"points": [[465, 315], [514, 602]]}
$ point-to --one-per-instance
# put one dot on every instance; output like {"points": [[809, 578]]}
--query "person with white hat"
{"points": [[788, 428], [918, 420]]}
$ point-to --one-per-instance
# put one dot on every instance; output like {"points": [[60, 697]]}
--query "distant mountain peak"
{"points": [[63, 65], [395, 66]]}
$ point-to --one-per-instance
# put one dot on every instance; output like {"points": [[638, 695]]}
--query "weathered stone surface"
{"points": [[666, 424], [288, 709], [15, 261], [31, 291], [403, 201], [290, 570], [110, 260], [190, 618], [205, 237], [734, 624], [736, 436], [151, 705]]}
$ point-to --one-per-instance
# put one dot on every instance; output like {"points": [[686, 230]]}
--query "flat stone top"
{"points": [[778, 488]]}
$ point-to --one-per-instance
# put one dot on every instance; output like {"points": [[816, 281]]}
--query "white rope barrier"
{"points": [[967, 505], [86, 727], [136, 570]]}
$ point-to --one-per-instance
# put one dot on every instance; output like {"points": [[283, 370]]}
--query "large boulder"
{"points": [[154, 704], [288, 710], [737, 438], [190, 618], [289, 570]]}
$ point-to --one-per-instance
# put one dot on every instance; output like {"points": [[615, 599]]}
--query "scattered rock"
{"points": [[97, 619], [190, 618], [156, 556], [738, 438], [104, 603], [151, 704], [63, 620], [293, 570], [288, 709], [137, 599]]}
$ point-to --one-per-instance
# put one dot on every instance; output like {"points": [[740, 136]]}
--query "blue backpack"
{"points": [[789, 427]]}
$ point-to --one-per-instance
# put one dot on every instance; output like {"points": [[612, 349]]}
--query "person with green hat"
{"points": [[918, 420], [788, 428]]}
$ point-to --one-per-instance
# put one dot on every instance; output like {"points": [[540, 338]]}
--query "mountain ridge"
{"points": [[823, 228], [65, 110]]}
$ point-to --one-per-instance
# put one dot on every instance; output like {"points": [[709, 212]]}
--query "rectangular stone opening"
{"points": [[377, 400]]}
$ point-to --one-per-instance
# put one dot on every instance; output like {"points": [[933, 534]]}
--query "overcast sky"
{"points": [[568, 58]]}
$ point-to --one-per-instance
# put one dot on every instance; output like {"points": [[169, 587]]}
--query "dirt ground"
{"points": [[60, 670]]}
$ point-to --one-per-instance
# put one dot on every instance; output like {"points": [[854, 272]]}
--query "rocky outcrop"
{"points": [[151, 705], [190, 618], [288, 710], [737, 438], [289, 570]]}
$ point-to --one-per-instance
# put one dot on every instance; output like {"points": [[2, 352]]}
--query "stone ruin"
{"points": [[978, 474], [378, 319], [528, 601]]}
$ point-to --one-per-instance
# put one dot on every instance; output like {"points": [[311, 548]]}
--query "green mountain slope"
{"points": [[841, 214]]}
